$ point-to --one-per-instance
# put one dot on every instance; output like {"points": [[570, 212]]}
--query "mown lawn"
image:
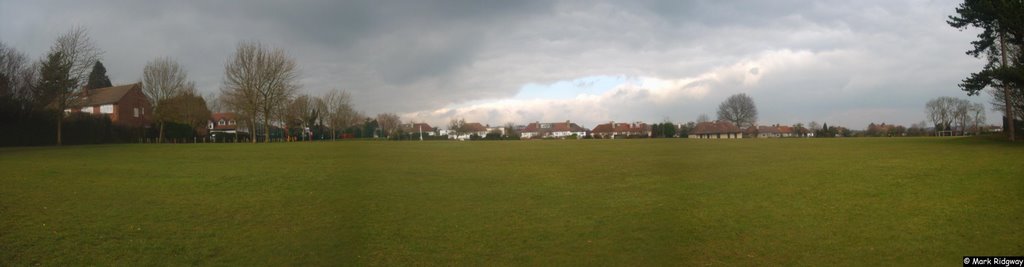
{"points": [[867, 201]]}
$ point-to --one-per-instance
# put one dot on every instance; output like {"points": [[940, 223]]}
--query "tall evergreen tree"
{"points": [[57, 87], [1001, 40], [98, 77]]}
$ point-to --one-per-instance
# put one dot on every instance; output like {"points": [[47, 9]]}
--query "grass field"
{"points": [[886, 201]]}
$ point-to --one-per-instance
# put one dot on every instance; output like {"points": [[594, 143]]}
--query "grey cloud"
{"points": [[410, 56]]}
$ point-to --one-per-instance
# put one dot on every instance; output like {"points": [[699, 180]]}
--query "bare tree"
{"points": [[17, 75], [259, 80], [244, 101], [800, 130], [738, 109], [338, 111], [304, 111], [510, 130], [813, 126], [961, 114], [703, 118], [66, 66], [162, 79], [213, 102], [1016, 101], [79, 49], [458, 126], [977, 113], [388, 123], [940, 112], [321, 108]]}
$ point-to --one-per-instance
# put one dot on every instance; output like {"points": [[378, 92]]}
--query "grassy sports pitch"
{"points": [[886, 201]]}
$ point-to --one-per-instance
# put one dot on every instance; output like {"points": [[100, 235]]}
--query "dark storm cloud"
{"points": [[802, 60]]}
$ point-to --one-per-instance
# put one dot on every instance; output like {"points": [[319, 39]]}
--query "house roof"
{"points": [[553, 127], [775, 129], [421, 127], [474, 127], [621, 127], [222, 115], [226, 116], [107, 95], [716, 127]]}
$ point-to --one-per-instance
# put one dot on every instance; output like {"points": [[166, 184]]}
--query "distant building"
{"points": [[497, 129], [612, 129], [124, 104], [468, 130], [224, 122], [716, 130], [553, 130], [417, 128], [775, 131]]}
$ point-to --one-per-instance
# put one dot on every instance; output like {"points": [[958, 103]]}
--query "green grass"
{"points": [[867, 201]]}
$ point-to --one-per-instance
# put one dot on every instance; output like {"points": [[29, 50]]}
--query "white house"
{"points": [[553, 130]]}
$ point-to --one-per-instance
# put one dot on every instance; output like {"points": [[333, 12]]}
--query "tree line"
{"points": [[34, 94], [260, 85], [955, 116]]}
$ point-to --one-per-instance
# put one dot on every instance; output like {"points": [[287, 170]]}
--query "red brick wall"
{"points": [[124, 110]]}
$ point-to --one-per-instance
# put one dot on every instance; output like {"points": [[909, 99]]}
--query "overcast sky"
{"points": [[841, 62]]}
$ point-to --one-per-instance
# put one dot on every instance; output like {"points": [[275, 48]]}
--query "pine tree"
{"points": [[98, 77], [57, 87], [1002, 35]]}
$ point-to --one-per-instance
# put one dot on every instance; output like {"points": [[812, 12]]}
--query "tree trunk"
{"points": [[252, 130], [60, 120], [287, 134], [1006, 90], [161, 135], [266, 128]]}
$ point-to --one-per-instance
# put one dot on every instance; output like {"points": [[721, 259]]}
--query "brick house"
{"points": [[553, 130], [224, 122], [716, 130], [612, 129], [125, 105]]}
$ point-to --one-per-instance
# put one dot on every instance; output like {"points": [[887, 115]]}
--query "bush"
{"points": [[493, 136], [19, 127]]}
